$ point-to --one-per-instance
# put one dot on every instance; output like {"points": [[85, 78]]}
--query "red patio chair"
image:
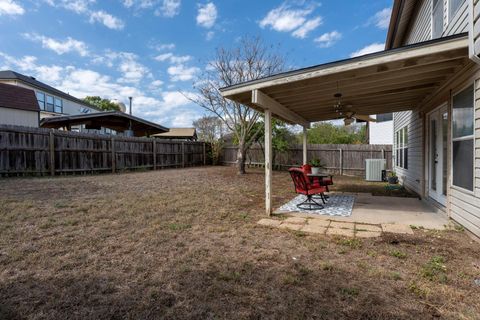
{"points": [[325, 181], [303, 186]]}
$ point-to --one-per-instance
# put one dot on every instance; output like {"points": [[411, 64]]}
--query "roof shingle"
{"points": [[16, 97]]}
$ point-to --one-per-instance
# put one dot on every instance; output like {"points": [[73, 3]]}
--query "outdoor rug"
{"points": [[337, 205]]}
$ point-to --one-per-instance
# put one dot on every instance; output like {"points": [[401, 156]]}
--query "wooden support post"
{"points": [[305, 158], [114, 160], [383, 153], [268, 161], [52, 152], [183, 154], [154, 152], [341, 161], [204, 155]]}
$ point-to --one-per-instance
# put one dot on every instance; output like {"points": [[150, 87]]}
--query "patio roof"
{"points": [[115, 120], [389, 81]]}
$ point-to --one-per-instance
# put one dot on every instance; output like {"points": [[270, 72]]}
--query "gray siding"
{"points": [[421, 26], [412, 177]]}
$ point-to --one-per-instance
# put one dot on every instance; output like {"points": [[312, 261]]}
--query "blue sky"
{"points": [[154, 50]]}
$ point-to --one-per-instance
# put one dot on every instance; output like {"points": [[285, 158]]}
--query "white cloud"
{"points": [[210, 35], [207, 15], [10, 8], [374, 47], [296, 20], [107, 19], [170, 108], [169, 8], [77, 6], [328, 39], [58, 46], [381, 19], [308, 26], [172, 58], [127, 63], [181, 73], [164, 46]]}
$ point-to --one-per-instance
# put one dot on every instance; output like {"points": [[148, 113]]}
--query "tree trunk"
{"points": [[241, 158]]}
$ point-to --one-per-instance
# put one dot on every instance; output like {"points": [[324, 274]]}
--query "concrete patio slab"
{"points": [[342, 225], [269, 222], [367, 227], [290, 226], [340, 232], [314, 229], [377, 210], [318, 222], [367, 234], [295, 220]]}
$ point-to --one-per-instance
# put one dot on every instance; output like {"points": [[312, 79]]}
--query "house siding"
{"points": [[18, 117], [465, 206], [411, 178], [421, 26]]}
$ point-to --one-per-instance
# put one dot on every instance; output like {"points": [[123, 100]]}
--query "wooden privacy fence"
{"points": [[348, 159], [38, 151]]}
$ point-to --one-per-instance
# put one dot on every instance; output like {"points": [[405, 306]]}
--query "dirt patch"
{"points": [[184, 244]]}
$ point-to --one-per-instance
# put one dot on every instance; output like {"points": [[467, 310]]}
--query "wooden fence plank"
{"points": [[339, 159], [39, 151]]}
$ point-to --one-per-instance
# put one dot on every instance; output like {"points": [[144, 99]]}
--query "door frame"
{"points": [[439, 197]]}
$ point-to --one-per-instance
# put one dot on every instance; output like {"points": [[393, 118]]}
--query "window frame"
{"points": [[463, 138], [38, 101], [46, 103], [401, 148], [55, 99]]}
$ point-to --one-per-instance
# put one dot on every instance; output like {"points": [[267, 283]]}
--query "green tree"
{"points": [[211, 130], [328, 133], [102, 104]]}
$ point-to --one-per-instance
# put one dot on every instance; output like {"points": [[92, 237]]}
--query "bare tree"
{"points": [[250, 60], [210, 129]]}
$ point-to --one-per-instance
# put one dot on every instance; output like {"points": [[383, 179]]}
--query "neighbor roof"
{"points": [[16, 97], [388, 81], [12, 75], [115, 120], [180, 133]]}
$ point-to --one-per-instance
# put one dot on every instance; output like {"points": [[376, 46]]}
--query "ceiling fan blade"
{"points": [[364, 118]]}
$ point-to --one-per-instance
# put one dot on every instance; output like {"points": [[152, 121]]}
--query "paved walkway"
{"points": [[332, 227]]}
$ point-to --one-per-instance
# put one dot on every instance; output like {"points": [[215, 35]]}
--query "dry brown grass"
{"points": [[183, 244]]}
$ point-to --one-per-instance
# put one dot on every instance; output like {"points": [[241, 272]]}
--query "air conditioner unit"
{"points": [[373, 169]]}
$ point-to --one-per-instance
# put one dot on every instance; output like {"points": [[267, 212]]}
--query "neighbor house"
{"points": [[428, 76], [381, 130], [18, 106], [51, 101], [188, 134]]}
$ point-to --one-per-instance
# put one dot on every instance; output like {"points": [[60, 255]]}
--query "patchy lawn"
{"points": [[184, 244]]}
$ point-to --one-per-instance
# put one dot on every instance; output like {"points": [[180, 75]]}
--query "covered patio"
{"points": [[395, 80]]}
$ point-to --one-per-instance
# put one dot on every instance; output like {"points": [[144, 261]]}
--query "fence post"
{"points": [[383, 153], [154, 151], [114, 161], [341, 161], [183, 154], [52, 152], [204, 155]]}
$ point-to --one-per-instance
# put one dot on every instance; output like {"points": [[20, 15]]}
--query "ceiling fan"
{"points": [[348, 113]]}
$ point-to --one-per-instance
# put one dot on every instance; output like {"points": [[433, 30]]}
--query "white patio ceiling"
{"points": [[387, 81]]}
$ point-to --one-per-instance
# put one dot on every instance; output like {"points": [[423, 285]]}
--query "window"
{"points": [[463, 139], [50, 104], [384, 117], [437, 18], [41, 100], [453, 8], [401, 148], [58, 105]]}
